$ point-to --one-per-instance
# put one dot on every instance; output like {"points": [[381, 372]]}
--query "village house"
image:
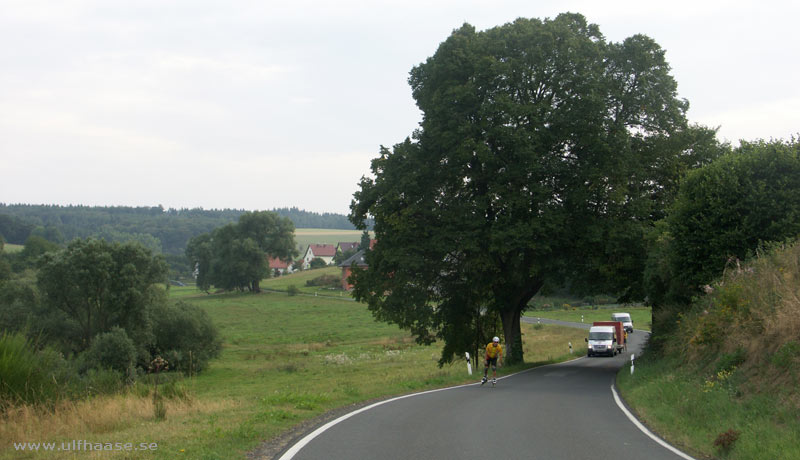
{"points": [[281, 265], [359, 260], [346, 266], [318, 251]]}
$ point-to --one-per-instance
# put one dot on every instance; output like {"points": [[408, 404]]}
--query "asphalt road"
{"points": [[563, 411]]}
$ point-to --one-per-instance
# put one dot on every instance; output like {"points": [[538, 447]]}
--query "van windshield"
{"points": [[623, 318], [601, 335]]}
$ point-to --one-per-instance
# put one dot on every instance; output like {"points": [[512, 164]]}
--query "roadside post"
{"points": [[570, 347], [469, 364], [631, 363], [581, 318]]}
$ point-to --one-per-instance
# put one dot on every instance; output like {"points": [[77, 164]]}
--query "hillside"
{"points": [[725, 382]]}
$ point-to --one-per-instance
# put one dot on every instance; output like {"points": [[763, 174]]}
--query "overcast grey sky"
{"points": [[263, 104]]}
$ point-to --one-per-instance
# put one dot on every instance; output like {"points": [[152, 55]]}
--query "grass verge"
{"points": [[694, 411]]}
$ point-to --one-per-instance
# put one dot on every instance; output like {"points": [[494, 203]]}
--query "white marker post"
{"points": [[570, 347], [581, 318], [469, 364], [631, 363]]}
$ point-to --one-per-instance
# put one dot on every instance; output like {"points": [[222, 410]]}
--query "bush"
{"points": [[185, 337], [110, 350], [317, 263], [325, 280], [292, 290]]}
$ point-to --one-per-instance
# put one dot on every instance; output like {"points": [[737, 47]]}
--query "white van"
{"points": [[601, 341], [625, 319]]}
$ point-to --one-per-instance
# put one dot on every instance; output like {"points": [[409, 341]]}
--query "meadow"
{"points": [[306, 236], [285, 360], [641, 316], [8, 247]]}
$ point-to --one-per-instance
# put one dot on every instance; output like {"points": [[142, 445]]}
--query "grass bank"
{"points": [[299, 280], [285, 360], [727, 382]]}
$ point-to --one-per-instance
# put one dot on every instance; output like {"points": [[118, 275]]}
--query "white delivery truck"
{"points": [[625, 319], [602, 340]]}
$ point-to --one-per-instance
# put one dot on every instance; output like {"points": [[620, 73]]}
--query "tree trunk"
{"points": [[510, 313], [513, 335]]}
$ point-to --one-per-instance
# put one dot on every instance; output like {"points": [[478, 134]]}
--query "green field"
{"points": [[13, 247], [299, 280], [285, 359], [641, 316]]}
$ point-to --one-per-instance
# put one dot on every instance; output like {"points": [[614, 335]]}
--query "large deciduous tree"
{"points": [[99, 286], [235, 256], [544, 153]]}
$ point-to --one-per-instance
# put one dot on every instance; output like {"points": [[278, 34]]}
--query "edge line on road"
{"points": [[296, 447], [644, 429]]}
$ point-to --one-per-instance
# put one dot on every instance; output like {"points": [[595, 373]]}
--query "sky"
{"points": [[264, 104]]}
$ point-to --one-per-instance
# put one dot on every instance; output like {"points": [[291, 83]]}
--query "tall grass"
{"points": [[28, 375], [753, 312]]}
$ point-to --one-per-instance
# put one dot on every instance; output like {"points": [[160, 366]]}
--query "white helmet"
{"points": [[496, 339]]}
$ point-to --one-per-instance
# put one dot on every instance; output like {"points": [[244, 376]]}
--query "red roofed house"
{"points": [[280, 265], [322, 251]]}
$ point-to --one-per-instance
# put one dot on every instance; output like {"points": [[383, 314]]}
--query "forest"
{"points": [[160, 230]]}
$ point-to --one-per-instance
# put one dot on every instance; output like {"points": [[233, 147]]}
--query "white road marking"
{"points": [[289, 454], [308, 438], [644, 428], [639, 425]]}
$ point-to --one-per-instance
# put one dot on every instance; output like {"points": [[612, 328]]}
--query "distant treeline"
{"points": [[162, 230]]}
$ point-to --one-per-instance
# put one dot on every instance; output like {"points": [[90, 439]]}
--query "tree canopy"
{"points": [[100, 285], [543, 155], [723, 212]]}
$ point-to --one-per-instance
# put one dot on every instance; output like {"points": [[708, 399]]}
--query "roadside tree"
{"points": [[544, 154]]}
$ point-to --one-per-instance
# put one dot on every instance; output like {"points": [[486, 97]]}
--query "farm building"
{"points": [[346, 266], [280, 265]]}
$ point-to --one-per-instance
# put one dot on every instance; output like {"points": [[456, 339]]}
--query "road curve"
{"points": [[562, 411]]}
